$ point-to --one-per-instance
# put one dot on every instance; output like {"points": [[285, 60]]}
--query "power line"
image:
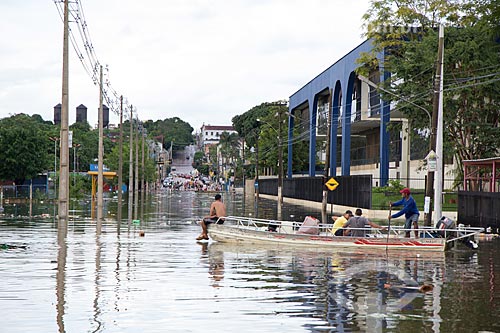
{"points": [[89, 60]]}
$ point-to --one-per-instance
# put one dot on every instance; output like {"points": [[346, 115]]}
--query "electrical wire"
{"points": [[89, 59]]}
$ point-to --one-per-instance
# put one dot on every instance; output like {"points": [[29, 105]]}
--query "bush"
{"points": [[393, 186]]}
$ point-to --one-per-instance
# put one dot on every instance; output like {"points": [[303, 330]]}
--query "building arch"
{"points": [[349, 101]]}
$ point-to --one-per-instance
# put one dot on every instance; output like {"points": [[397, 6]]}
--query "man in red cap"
{"points": [[409, 210]]}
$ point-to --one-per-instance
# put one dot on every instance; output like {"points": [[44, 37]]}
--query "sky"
{"points": [[200, 60]]}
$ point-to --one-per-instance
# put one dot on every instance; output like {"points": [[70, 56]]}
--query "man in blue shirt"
{"points": [[409, 210]]}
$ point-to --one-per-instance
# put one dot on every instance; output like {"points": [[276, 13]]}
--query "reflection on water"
{"points": [[95, 279]]}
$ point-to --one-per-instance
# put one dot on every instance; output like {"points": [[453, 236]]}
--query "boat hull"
{"points": [[232, 233]]}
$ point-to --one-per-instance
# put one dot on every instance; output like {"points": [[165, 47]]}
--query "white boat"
{"points": [[252, 230]]}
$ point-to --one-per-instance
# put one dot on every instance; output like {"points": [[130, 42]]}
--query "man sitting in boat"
{"points": [[339, 223], [217, 214], [356, 223]]}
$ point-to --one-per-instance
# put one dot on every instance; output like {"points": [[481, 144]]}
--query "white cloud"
{"points": [[202, 61]]}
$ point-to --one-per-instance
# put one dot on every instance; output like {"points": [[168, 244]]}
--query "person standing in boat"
{"points": [[410, 211], [357, 223], [217, 214]]}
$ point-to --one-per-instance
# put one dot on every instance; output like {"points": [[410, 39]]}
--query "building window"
{"points": [[212, 133]]}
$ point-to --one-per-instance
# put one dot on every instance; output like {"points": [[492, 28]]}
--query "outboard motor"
{"points": [[445, 223]]}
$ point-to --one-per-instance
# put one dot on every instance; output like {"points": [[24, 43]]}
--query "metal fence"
{"points": [[355, 191], [23, 191], [479, 209]]}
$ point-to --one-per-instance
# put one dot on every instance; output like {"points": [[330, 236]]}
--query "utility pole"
{"points": [[100, 177], [243, 168], [131, 168], [136, 173], [120, 167], [438, 185], [324, 202], [280, 163], [171, 157], [256, 183], [429, 187], [64, 153], [143, 188]]}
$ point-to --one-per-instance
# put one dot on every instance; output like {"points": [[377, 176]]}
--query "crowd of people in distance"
{"points": [[192, 183]]}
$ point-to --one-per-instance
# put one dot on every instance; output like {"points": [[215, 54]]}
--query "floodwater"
{"points": [[167, 282]]}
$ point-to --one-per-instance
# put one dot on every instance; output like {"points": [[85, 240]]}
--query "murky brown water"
{"points": [[167, 282]]}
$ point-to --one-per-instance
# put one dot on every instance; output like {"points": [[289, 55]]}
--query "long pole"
{"points": [[64, 153], [429, 187], [120, 167], [130, 168], [280, 163], [100, 178], [243, 168], [257, 168], [143, 187], [136, 173], [74, 164], [438, 184]]}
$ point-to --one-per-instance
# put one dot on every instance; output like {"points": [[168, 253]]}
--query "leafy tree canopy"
{"points": [[247, 125], [471, 66], [169, 130], [24, 147]]}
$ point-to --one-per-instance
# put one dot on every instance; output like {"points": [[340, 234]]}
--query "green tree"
{"points": [[229, 146], [24, 147], [174, 130], [471, 77]]}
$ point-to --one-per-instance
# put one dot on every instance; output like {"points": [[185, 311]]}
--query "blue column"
{"points": [[385, 118], [345, 162], [312, 137], [291, 121], [333, 131]]}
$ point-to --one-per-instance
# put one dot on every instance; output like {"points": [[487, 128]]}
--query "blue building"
{"points": [[358, 115]]}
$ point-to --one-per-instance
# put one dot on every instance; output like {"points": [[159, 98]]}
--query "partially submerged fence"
{"points": [[354, 191], [479, 209]]}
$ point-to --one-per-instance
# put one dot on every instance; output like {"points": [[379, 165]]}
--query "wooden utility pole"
{"points": [[136, 173], [131, 168], [438, 181], [280, 162], [324, 202], [143, 187], [64, 153], [120, 167], [100, 156], [243, 168], [256, 183], [429, 187]]}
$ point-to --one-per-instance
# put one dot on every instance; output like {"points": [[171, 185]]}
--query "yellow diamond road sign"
{"points": [[331, 184]]}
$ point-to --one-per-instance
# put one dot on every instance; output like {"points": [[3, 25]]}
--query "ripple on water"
{"points": [[166, 282]]}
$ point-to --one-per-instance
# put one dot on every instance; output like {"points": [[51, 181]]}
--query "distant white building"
{"points": [[210, 135]]}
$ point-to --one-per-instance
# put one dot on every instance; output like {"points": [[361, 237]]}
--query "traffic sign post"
{"points": [[332, 184]]}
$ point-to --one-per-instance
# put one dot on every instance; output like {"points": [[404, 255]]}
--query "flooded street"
{"points": [[167, 282]]}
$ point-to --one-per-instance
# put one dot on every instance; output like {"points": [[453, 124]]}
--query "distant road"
{"points": [[182, 160]]}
